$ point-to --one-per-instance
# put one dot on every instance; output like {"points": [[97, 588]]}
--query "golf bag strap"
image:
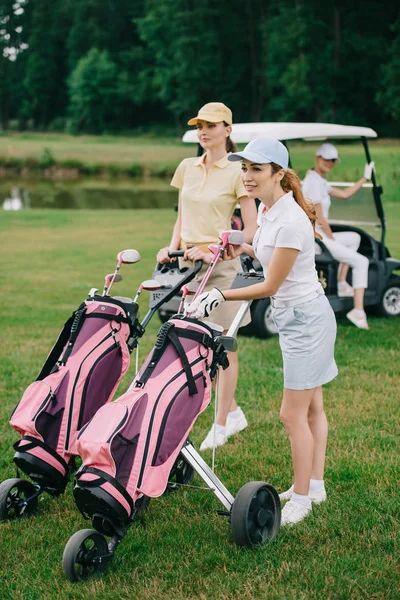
{"points": [[75, 329], [102, 478], [35, 443], [185, 363], [167, 333], [202, 338], [56, 350]]}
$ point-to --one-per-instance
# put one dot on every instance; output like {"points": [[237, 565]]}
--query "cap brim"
{"points": [[252, 156], [208, 118], [330, 158]]}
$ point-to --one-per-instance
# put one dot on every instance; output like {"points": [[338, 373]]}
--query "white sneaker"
{"points": [[315, 497], [360, 322], [293, 512], [219, 436], [236, 423], [345, 291]]}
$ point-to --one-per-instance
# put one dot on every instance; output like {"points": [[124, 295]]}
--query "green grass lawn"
{"points": [[181, 549]]}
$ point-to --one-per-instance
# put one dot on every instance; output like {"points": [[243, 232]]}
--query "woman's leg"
{"points": [[359, 264], [350, 239], [319, 428], [294, 416]]}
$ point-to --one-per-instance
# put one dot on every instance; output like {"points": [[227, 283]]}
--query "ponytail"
{"points": [[291, 183], [230, 145]]}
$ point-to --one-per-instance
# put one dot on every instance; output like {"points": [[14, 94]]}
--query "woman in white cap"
{"points": [[209, 188], [284, 245], [343, 245]]}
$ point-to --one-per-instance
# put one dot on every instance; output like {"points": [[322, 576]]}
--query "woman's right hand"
{"points": [[233, 252], [163, 256]]}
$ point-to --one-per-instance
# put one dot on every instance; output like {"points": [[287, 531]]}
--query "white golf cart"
{"points": [[363, 213]]}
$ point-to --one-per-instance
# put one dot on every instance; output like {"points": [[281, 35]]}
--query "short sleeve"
{"points": [[240, 190], [177, 180], [312, 189], [291, 235]]}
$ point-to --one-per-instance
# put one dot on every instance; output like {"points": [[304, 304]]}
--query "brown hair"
{"points": [[230, 146], [291, 183]]}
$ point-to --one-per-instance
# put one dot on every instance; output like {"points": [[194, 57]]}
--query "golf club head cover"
{"points": [[204, 305]]}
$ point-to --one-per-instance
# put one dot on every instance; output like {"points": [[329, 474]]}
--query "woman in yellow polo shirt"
{"points": [[209, 187]]}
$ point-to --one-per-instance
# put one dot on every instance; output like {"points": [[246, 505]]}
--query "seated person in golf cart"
{"points": [[342, 245]]}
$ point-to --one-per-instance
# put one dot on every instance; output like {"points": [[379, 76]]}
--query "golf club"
{"points": [[128, 256], [150, 285], [107, 279]]}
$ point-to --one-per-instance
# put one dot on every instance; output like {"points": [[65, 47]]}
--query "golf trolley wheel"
{"points": [[390, 303], [256, 514], [13, 496], [83, 553], [182, 473]]}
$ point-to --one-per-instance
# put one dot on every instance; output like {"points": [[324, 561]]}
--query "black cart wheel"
{"points": [[262, 324], [389, 305], [181, 474], [83, 555], [256, 514], [14, 499]]}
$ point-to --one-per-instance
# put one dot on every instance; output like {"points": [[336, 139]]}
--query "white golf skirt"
{"points": [[307, 334]]}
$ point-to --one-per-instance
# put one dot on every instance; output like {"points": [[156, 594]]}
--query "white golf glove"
{"points": [[203, 306], [369, 167]]}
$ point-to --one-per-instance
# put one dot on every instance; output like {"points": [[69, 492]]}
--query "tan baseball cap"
{"points": [[213, 112]]}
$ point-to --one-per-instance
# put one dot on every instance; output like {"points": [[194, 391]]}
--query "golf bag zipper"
{"points": [[49, 396], [71, 406], [147, 444], [166, 415], [85, 387]]}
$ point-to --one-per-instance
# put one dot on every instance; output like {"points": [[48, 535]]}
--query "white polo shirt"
{"points": [[286, 225]]}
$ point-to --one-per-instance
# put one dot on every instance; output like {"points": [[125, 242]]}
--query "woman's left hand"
{"points": [[203, 306], [196, 253]]}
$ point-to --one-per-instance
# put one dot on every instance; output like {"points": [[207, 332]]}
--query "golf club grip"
{"points": [[176, 254]]}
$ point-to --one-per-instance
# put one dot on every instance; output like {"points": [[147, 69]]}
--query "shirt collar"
{"points": [[222, 163], [279, 206]]}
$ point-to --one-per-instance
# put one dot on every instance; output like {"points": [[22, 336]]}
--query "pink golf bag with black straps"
{"points": [[130, 446], [80, 375]]}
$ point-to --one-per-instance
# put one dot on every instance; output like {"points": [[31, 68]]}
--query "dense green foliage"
{"points": [[101, 66]]}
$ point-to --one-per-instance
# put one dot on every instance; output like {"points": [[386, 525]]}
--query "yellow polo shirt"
{"points": [[208, 199]]}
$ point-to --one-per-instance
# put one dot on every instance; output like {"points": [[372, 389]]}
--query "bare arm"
{"points": [[337, 193], [322, 222], [249, 216], [281, 264]]}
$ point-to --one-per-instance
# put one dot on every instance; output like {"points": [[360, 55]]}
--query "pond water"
{"points": [[87, 194]]}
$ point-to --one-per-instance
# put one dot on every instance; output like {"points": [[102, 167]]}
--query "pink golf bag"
{"points": [[130, 446], [80, 374]]}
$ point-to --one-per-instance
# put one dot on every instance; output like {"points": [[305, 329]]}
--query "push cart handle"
{"points": [[176, 254]]}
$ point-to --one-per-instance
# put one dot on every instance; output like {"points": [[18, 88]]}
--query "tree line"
{"points": [[116, 65]]}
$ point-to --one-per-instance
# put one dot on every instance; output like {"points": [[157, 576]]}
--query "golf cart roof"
{"points": [[245, 132]]}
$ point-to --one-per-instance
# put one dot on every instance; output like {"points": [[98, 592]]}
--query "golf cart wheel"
{"points": [[182, 473], [389, 305], [83, 555], [262, 323], [14, 494], [256, 514]]}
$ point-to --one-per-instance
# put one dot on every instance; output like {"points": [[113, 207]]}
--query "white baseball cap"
{"points": [[328, 152], [263, 151]]}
